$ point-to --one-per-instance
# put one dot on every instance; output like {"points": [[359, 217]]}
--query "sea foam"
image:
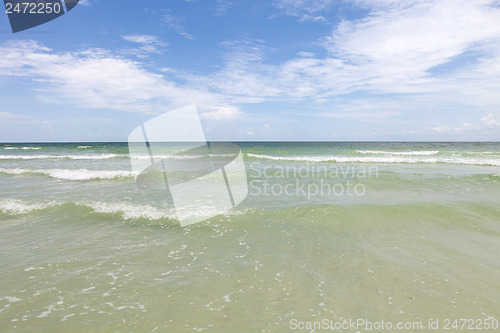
{"points": [[399, 153], [70, 174], [381, 159], [15, 206], [71, 157]]}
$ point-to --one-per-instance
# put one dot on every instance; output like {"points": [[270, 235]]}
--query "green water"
{"points": [[83, 249]]}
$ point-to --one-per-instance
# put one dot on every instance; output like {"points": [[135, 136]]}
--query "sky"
{"points": [[274, 70]]}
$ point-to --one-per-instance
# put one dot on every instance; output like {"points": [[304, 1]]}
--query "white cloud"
{"points": [[391, 52], [391, 58], [442, 129], [415, 39], [96, 79], [487, 124], [177, 23], [148, 44], [306, 54], [141, 39], [221, 112], [222, 7], [490, 121], [306, 10]]}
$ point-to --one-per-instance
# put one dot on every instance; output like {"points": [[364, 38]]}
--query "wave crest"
{"points": [[16, 207], [72, 174], [399, 153], [380, 159], [71, 157]]}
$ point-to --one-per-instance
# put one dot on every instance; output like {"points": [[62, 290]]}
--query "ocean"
{"points": [[330, 234]]}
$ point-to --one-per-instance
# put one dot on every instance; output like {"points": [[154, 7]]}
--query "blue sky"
{"points": [[257, 70]]}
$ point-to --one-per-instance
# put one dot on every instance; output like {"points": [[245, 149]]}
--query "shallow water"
{"points": [[85, 249]]}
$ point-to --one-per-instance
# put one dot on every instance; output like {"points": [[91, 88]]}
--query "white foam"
{"points": [[130, 211], [67, 316], [31, 148], [72, 174], [32, 268], [169, 157], [127, 210], [487, 153], [47, 312], [400, 153], [104, 156], [122, 307], [12, 299], [14, 206], [84, 174], [87, 289], [72, 157], [381, 159]]}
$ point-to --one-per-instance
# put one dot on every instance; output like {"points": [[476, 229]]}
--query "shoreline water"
{"points": [[83, 246]]}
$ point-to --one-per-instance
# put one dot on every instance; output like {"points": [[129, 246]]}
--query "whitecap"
{"points": [[14, 206], [72, 157], [72, 174], [380, 159]]}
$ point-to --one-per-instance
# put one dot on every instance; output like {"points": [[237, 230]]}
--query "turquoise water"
{"points": [[400, 232]]}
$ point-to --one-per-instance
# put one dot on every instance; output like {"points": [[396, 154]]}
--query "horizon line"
{"points": [[262, 141]]}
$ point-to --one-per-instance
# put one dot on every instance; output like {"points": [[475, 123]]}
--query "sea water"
{"points": [[329, 233]]}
